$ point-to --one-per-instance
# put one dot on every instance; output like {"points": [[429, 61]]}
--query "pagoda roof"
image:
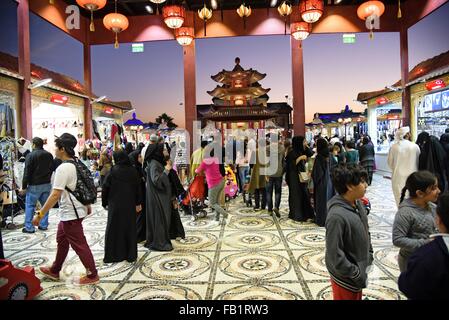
{"points": [[228, 77], [262, 100], [237, 113], [248, 92]]}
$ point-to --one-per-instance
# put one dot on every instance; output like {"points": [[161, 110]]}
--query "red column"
{"points": [[406, 103], [299, 116], [24, 110], [189, 89], [88, 85]]}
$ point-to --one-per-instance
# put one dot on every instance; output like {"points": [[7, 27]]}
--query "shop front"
{"points": [[54, 114], [431, 106], [9, 100], [104, 117]]}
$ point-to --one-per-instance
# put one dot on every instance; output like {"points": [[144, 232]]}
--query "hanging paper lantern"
{"points": [[205, 14], [244, 12], [117, 23], [300, 30], [173, 16], [184, 35], [91, 5], [370, 10], [285, 9], [311, 10]]}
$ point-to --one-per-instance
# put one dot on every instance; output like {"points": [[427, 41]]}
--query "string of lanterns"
{"points": [[310, 12]]}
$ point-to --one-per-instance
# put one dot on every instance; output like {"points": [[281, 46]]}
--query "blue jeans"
{"points": [[275, 182], [36, 193], [243, 172]]}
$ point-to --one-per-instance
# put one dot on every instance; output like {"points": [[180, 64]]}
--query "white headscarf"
{"points": [[401, 132]]}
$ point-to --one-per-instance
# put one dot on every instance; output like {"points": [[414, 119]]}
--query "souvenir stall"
{"points": [[105, 117], [54, 114], [8, 101]]}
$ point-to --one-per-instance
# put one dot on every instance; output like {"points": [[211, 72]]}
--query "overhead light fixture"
{"points": [[214, 4], [39, 83], [273, 3], [149, 9], [99, 99], [337, 1], [205, 14]]}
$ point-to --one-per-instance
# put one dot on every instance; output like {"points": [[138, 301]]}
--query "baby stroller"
{"points": [[192, 202], [231, 187]]}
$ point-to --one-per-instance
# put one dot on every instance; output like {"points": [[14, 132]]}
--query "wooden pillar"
{"points": [[88, 134], [406, 103], [299, 116], [24, 111], [189, 89]]}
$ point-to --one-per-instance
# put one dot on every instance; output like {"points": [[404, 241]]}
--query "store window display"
{"points": [[433, 113]]}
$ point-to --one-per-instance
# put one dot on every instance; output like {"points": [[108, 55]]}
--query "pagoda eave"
{"points": [[228, 93], [227, 77], [239, 114]]}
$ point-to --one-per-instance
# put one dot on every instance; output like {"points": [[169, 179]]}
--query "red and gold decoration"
{"points": [[51, 1], [116, 22], [285, 9], [244, 12], [184, 35], [371, 10], [311, 10], [399, 10], [173, 16], [91, 5], [300, 30], [205, 14]]}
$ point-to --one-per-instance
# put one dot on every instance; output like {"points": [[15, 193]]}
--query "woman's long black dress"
{"points": [[159, 207], [176, 227], [300, 208], [323, 188], [141, 221], [121, 194]]}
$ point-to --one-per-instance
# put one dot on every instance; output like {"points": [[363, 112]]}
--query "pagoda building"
{"points": [[240, 102]]}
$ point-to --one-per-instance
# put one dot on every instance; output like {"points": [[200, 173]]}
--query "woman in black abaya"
{"points": [[159, 197], [141, 222], [121, 196], [300, 208]]}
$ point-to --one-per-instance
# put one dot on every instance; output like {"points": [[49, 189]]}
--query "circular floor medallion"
{"points": [[313, 262], [248, 223], [17, 241], [195, 241], [388, 257], [63, 292], [252, 240], [306, 238], [264, 292], [160, 292]]}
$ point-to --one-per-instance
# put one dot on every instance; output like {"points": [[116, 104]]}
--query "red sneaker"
{"points": [[85, 280], [47, 272]]}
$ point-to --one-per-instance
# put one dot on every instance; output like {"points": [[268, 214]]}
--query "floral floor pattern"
{"points": [[253, 256]]}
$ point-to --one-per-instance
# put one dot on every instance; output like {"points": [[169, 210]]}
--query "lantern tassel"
{"points": [[371, 35], [92, 26], [52, 1], [116, 45], [204, 27], [399, 10], [285, 25]]}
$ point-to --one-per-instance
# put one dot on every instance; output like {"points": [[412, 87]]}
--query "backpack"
{"points": [[85, 190]]}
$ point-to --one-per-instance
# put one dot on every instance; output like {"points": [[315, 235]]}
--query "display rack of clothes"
{"points": [[9, 187], [7, 125]]}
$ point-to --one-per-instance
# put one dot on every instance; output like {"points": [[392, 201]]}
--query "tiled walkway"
{"points": [[252, 257]]}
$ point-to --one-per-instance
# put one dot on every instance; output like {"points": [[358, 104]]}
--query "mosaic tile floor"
{"points": [[252, 257]]}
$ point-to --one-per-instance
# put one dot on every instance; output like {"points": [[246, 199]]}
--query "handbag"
{"points": [[303, 177], [9, 197]]}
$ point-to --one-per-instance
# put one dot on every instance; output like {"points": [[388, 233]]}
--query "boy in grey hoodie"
{"points": [[348, 244]]}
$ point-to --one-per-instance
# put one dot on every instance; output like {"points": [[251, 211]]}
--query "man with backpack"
{"points": [[75, 190]]}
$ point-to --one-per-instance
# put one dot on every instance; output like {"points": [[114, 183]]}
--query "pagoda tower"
{"points": [[240, 97]]}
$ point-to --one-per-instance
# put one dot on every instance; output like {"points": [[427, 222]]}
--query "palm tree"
{"points": [[167, 119]]}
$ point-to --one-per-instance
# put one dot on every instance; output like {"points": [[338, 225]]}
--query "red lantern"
{"points": [[173, 16], [311, 10], [91, 5], [300, 30], [435, 84], [369, 8], [184, 35], [117, 23]]}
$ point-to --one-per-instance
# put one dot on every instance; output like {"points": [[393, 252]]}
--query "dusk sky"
{"points": [[153, 80]]}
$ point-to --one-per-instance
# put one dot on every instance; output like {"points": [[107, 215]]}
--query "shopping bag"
{"points": [[9, 197]]}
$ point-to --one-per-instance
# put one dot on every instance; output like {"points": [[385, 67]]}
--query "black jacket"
{"points": [[38, 168], [427, 275]]}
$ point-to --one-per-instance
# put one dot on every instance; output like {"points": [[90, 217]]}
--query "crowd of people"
{"points": [[140, 189]]}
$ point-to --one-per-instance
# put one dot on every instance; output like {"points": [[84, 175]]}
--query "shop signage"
{"points": [[57, 98], [382, 100], [137, 47], [349, 38], [436, 101], [109, 110], [435, 84]]}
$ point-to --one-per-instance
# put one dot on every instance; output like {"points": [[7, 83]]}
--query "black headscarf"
{"points": [[155, 152], [322, 147], [298, 144], [121, 158], [134, 158], [422, 139]]}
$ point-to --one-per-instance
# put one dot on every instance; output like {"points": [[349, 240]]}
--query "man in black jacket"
{"points": [[36, 183]]}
